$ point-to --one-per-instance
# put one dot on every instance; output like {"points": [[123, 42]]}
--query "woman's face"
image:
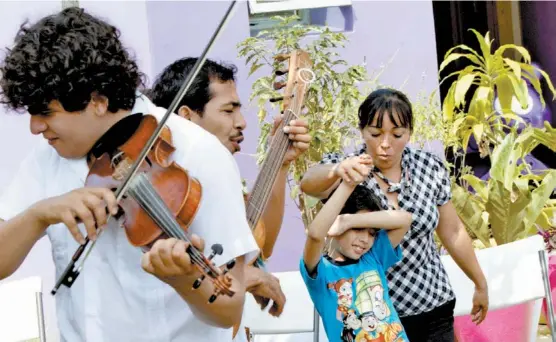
{"points": [[385, 144]]}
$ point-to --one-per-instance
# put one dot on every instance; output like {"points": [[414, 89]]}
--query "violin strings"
{"points": [[147, 197], [155, 205]]}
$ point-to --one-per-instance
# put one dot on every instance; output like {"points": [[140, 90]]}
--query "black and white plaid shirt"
{"points": [[418, 283]]}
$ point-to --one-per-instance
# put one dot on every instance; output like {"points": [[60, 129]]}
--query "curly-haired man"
{"points": [[70, 72]]}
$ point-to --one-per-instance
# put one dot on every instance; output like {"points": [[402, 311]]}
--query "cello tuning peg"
{"points": [[282, 57], [279, 85], [280, 72]]}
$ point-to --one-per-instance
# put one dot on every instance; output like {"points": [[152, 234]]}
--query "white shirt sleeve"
{"points": [[26, 187], [221, 216]]}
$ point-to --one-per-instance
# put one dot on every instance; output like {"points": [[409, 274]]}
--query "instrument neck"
{"points": [[259, 196]]}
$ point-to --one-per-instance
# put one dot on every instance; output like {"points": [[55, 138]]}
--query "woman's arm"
{"points": [[318, 229], [320, 180], [457, 242]]}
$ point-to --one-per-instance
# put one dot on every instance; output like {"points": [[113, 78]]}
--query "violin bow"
{"points": [[71, 272]]}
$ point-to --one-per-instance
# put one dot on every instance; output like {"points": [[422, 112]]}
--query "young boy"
{"points": [[348, 284]]}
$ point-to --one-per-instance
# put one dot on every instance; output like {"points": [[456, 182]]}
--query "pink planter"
{"points": [[552, 279], [511, 324]]}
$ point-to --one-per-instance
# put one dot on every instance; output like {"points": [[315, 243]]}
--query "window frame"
{"points": [[261, 6]]}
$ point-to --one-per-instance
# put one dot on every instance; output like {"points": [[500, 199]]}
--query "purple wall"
{"points": [[538, 21], [177, 30]]}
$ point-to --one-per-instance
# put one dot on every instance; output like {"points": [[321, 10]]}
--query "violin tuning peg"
{"points": [[280, 72], [279, 85], [230, 265], [282, 57], [198, 282], [212, 298], [216, 250]]}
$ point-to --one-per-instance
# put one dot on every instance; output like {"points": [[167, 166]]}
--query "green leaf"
{"points": [[478, 185], [505, 91], [455, 56], [506, 212], [523, 51], [515, 66], [485, 44], [462, 86], [470, 210], [539, 197], [500, 159]]}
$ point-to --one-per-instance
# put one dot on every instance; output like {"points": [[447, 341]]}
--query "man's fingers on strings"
{"points": [[180, 256], [197, 242]]}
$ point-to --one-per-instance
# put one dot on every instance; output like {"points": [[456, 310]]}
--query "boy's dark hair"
{"points": [[169, 82], [360, 199], [68, 56], [391, 101]]}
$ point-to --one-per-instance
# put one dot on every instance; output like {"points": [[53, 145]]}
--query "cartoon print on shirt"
{"points": [[367, 318], [351, 324], [344, 290], [374, 311]]}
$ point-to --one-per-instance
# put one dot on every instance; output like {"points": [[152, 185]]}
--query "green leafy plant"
{"points": [[491, 73], [331, 101], [514, 202]]}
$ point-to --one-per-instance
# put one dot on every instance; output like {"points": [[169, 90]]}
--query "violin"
{"points": [[162, 199], [157, 198]]}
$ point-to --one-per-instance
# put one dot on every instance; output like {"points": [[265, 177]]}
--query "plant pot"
{"points": [[552, 279], [497, 327]]}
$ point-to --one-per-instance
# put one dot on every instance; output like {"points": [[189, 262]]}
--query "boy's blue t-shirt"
{"points": [[352, 297]]}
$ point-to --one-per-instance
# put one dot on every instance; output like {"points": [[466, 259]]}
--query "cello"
{"points": [[157, 198], [297, 85]]}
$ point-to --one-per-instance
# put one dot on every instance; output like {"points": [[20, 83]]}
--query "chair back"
{"points": [[21, 312]]}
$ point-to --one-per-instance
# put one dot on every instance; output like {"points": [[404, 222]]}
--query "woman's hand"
{"points": [[480, 305], [353, 170]]}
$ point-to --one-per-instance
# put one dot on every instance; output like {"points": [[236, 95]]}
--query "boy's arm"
{"points": [[318, 229], [397, 222]]}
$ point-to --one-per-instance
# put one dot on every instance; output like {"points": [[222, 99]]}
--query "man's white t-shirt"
{"points": [[114, 299]]}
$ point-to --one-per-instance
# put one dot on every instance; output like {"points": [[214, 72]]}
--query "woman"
{"points": [[416, 181]]}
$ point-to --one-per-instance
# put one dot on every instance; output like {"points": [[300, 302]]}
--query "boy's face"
{"points": [[73, 134], [356, 241]]}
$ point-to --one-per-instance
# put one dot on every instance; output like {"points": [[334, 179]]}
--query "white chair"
{"points": [[516, 273], [21, 311], [298, 322]]}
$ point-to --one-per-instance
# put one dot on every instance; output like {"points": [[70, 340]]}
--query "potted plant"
{"points": [[331, 101], [512, 201]]}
